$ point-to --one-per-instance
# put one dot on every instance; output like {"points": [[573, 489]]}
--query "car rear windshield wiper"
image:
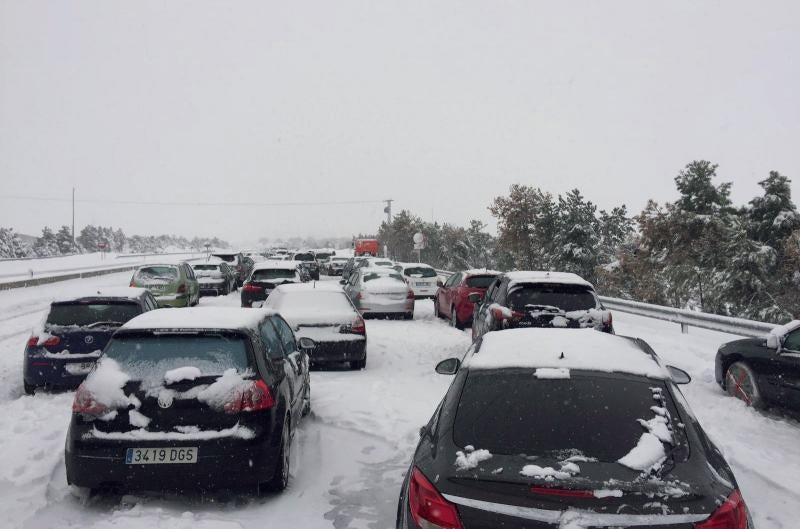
{"points": [[102, 323]]}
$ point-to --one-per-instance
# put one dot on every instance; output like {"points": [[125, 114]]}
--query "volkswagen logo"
{"points": [[165, 399], [88, 339]]}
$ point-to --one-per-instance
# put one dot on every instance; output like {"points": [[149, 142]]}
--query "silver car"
{"points": [[380, 292]]}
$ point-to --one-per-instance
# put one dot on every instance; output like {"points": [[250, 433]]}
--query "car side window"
{"points": [[491, 290], [190, 272], [500, 293], [451, 280], [285, 334], [271, 340], [792, 341], [150, 302]]}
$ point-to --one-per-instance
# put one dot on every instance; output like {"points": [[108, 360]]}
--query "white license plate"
{"points": [[423, 285], [160, 456]]}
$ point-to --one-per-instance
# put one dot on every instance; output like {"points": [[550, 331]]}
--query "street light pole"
{"points": [[73, 220]]}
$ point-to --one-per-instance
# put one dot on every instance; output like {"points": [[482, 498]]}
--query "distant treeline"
{"points": [[96, 238], [700, 251]]}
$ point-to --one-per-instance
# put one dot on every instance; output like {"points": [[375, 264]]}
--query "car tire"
{"points": [[307, 399], [436, 309], [454, 319], [408, 316], [29, 389], [741, 382], [280, 480], [358, 365]]}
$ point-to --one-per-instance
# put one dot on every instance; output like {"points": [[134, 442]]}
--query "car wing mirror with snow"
{"points": [[475, 297], [448, 367], [679, 376], [773, 341], [306, 343]]}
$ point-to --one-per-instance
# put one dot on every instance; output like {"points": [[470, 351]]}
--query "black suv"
{"points": [[195, 398], [548, 429], [309, 262], [240, 263], [538, 299]]}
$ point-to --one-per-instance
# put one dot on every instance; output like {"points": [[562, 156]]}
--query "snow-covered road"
{"points": [[354, 447]]}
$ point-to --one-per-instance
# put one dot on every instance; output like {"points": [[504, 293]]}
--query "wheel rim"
{"points": [[740, 384], [286, 453]]}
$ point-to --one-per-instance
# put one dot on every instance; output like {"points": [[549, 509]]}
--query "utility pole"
{"points": [[388, 210], [73, 220]]}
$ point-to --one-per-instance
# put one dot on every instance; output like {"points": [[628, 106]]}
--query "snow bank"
{"points": [[554, 348]]}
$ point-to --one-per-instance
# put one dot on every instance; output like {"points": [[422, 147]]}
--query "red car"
{"points": [[451, 298]]}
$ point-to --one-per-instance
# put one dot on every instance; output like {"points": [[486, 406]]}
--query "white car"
{"points": [[422, 279]]}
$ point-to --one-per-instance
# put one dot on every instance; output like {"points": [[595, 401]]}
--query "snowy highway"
{"points": [[351, 453]]}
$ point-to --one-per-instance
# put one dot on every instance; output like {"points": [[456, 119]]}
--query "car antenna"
{"points": [[562, 356]]}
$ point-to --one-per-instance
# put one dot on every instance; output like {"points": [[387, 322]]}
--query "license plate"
{"points": [[160, 456], [422, 284], [78, 368]]}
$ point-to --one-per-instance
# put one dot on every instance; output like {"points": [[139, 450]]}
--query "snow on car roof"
{"points": [[107, 292], [205, 260], [481, 272], [783, 330], [414, 265], [535, 276], [276, 265], [198, 318], [584, 349], [382, 270]]}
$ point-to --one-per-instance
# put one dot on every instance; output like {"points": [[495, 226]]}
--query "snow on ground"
{"points": [[351, 452]]}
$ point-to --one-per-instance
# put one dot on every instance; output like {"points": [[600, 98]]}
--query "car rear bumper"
{"points": [[249, 299], [339, 351], [221, 463], [173, 300], [386, 307], [53, 372]]}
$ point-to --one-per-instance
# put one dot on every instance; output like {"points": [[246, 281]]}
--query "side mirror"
{"points": [[306, 343], [475, 297], [423, 432], [439, 283], [679, 376], [448, 367], [342, 282], [773, 341]]}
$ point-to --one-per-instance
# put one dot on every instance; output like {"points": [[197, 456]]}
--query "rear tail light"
{"points": [[497, 314], [253, 397], [182, 288], [410, 294], [428, 508], [359, 296], [730, 515], [52, 341], [86, 404], [132, 284], [359, 326], [608, 321], [33, 341], [249, 287]]}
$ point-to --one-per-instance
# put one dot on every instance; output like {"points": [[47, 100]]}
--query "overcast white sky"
{"points": [[439, 105]]}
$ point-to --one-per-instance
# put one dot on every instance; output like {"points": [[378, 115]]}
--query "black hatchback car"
{"points": [[61, 353], [543, 428], [763, 372], [538, 299], [196, 398]]}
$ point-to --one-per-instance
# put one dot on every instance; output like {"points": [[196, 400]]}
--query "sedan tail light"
{"points": [[250, 287], [410, 294], [33, 341], [53, 341], [730, 515], [182, 288], [85, 403], [428, 508], [358, 327], [253, 397]]}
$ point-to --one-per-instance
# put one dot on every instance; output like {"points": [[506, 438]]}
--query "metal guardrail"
{"points": [[685, 318], [65, 277]]}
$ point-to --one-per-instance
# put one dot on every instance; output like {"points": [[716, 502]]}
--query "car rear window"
{"points": [[304, 257], [83, 314], [146, 357], [374, 275], [271, 274], [480, 281], [206, 267], [565, 297], [420, 271], [323, 255], [226, 258], [312, 301], [157, 274], [511, 412]]}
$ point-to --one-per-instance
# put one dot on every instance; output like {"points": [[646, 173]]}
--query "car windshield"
{"points": [[83, 314], [160, 274], [304, 257], [420, 271], [565, 297], [480, 281], [511, 412], [146, 357], [270, 274]]}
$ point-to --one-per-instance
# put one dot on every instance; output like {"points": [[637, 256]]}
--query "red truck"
{"points": [[366, 247]]}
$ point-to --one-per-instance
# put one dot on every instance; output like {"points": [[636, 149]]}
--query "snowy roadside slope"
{"points": [[763, 449]]}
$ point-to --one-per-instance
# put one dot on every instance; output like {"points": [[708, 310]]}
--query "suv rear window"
{"points": [[565, 297], [271, 274], [157, 274], [304, 257], [420, 271], [228, 258], [206, 267], [147, 357], [83, 314], [480, 281], [511, 412]]}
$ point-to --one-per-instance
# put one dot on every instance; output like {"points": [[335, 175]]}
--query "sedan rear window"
{"points": [[374, 275], [157, 274], [96, 314], [271, 274], [480, 281], [420, 271], [515, 413], [565, 297], [146, 357], [304, 257]]}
